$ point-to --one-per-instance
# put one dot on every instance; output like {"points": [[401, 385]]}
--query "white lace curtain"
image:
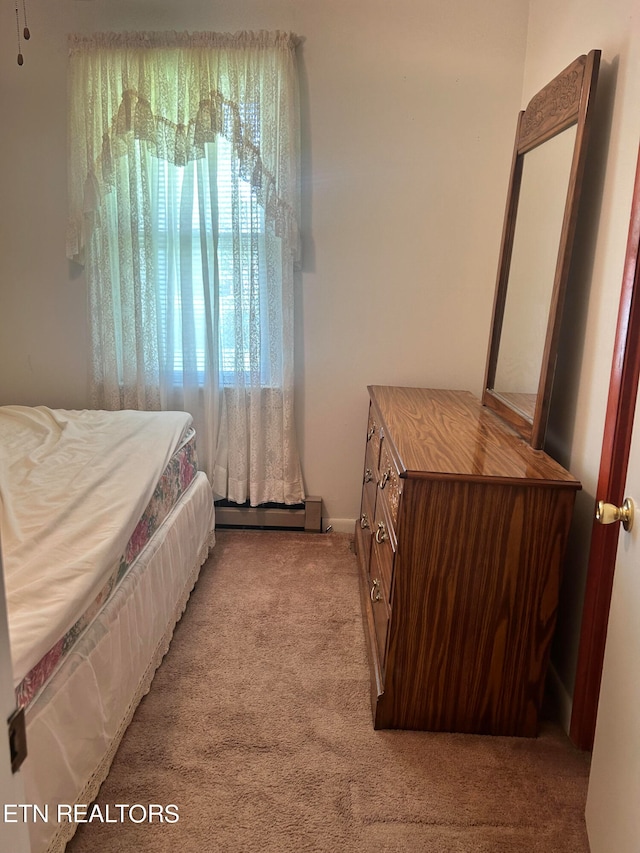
{"points": [[184, 208]]}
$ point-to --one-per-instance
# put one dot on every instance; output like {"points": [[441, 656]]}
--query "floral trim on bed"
{"points": [[176, 478]]}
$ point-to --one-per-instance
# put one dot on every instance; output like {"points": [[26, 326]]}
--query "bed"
{"points": [[105, 522]]}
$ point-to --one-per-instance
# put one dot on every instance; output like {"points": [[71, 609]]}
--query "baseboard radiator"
{"points": [[303, 516]]}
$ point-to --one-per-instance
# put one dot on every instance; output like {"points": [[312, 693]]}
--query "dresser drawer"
{"points": [[383, 547], [364, 530], [370, 478], [381, 623], [374, 431], [378, 595], [389, 482]]}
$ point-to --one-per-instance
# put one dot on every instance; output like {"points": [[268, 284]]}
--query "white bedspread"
{"points": [[73, 485]]}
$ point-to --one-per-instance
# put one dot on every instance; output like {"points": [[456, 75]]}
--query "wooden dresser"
{"points": [[460, 543]]}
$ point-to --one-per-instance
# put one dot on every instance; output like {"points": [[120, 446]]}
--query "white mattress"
{"points": [[73, 486]]}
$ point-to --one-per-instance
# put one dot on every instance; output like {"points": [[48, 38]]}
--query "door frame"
{"points": [[616, 442]]}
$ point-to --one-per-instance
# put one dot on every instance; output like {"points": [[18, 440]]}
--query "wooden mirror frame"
{"points": [[562, 103]]}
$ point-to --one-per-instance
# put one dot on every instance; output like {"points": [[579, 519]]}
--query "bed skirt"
{"points": [[76, 723]]}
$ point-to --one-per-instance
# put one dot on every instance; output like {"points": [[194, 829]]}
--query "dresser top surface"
{"points": [[435, 432]]}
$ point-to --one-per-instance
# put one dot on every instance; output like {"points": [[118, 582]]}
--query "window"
{"points": [[184, 175], [183, 192]]}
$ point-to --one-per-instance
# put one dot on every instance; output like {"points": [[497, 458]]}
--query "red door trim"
{"points": [[612, 477]]}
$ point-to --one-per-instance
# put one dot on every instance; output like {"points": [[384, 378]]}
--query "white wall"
{"points": [[557, 33], [408, 110], [412, 114]]}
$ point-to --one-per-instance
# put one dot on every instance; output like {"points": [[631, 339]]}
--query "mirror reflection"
{"points": [[541, 207], [548, 163]]}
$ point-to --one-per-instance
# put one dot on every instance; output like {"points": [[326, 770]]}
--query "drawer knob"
{"points": [[381, 533], [368, 475], [385, 478], [364, 521], [375, 591]]}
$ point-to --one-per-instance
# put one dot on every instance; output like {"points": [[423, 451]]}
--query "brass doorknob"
{"points": [[608, 513]]}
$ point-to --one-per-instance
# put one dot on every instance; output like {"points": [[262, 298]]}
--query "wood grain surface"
{"points": [[554, 107], [469, 571], [480, 587], [435, 432]]}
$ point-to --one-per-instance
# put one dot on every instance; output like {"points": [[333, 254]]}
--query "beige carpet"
{"points": [[258, 728]]}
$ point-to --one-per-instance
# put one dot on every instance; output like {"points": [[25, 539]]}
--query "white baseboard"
{"points": [[339, 525]]}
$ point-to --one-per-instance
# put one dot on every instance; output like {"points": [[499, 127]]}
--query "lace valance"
{"points": [[174, 93]]}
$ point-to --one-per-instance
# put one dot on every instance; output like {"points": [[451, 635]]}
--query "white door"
{"points": [[13, 834], [613, 800]]}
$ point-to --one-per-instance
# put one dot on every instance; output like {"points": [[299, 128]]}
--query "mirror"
{"points": [[535, 254], [543, 191]]}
